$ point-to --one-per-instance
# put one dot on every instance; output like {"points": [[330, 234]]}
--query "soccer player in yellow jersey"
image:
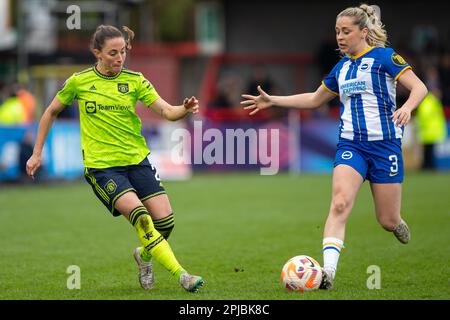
{"points": [[115, 152]]}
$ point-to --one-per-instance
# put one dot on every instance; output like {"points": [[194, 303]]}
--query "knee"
{"points": [[340, 205], [388, 223]]}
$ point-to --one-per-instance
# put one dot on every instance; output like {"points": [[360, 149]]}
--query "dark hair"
{"points": [[105, 32]]}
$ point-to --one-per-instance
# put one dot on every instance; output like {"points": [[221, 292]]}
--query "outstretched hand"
{"points": [[191, 104], [256, 103]]}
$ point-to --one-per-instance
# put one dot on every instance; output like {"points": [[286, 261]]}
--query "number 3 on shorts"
{"points": [[394, 160]]}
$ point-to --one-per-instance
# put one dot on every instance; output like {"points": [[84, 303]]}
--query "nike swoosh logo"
{"points": [[393, 174]]}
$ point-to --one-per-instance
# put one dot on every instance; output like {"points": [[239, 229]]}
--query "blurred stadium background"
{"points": [[214, 50]]}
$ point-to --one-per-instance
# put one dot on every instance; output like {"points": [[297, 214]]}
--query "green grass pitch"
{"points": [[237, 230]]}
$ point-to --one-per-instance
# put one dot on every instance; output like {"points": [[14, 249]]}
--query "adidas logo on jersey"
{"points": [[92, 88]]}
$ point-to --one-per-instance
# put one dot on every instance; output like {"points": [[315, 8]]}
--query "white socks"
{"points": [[331, 251]]}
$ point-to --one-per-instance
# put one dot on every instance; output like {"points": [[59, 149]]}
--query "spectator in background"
{"points": [[2, 91], [232, 87], [327, 58], [11, 110], [25, 152], [261, 78], [227, 86], [18, 107], [223, 106], [27, 101], [444, 77], [430, 119]]}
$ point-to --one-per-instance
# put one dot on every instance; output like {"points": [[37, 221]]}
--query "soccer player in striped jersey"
{"points": [[371, 125], [115, 152]]}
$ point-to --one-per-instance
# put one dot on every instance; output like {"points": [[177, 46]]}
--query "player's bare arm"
{"points": [[308, 100], [174, 113], [418, 91], [45, 124]]}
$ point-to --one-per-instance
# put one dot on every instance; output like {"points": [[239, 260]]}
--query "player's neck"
{"points": [[102, 70], [360, 51]]}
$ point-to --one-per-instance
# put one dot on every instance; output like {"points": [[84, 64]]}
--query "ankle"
{"points": [[179, 273]]}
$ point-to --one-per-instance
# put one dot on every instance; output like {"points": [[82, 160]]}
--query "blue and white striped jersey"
{"points": [[366, 85]]}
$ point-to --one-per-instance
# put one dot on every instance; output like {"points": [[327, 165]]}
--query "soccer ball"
{"points": [[301, 273]]}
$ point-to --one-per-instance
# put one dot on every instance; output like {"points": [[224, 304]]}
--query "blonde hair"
{"points": [[105, 32], [366, 16]]}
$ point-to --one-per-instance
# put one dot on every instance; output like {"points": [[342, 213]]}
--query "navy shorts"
{"points": [[110, 183], [376, 161]]}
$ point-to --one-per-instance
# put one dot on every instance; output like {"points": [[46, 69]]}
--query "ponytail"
{"points": [[129, 37]]}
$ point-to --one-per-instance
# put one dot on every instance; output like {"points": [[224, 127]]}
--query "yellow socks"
{"points": [[153, 242], [165, 225]]}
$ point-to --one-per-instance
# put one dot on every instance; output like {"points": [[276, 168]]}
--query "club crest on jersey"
{"points": [[364, 66], [397, 59], [346, 155], [122, 87], [110, 186]]}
